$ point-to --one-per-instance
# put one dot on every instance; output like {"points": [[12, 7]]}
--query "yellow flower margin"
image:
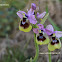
{"points": [[42, 42], [53, 47], [25, 30]]}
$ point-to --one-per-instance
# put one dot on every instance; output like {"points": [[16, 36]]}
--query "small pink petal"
{"points": [[30, 12], [40, 26], [58, 34], [41, 15], [37, 13], [48, 31], [33, 6], [50, 27], [20, 14], [35, 30], [32, 19]]}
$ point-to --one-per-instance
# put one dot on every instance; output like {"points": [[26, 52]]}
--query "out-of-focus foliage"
{"points": [[8, 17], [61, 0], [14, 54]]}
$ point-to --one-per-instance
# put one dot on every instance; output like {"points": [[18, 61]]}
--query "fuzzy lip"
{"points": [[26, 25], [54, 41], [41, 39]]}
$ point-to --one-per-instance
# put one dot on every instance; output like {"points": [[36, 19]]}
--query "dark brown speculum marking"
{"points": [[41, 37], [52, 43], [34, 13], [57, 41], [54, 39], [42, 30], [25, 25]]}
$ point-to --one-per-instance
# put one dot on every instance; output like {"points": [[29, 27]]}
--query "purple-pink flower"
{"points": [[41, 27], [40, 16], [33, 6], [50, 30], [43, 35], [30, 15], [20, 14]]}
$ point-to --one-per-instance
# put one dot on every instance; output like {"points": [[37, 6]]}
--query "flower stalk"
{"points": [[37, 49], [49, 55]]}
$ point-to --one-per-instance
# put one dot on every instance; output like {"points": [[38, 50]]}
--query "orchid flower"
{"points": [[24, 25], [55, 35], [41, 37], [27, 18]]}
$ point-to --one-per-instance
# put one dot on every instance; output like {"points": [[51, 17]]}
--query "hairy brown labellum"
{"points": [[26, 25]]}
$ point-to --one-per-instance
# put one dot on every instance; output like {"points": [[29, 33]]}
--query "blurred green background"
{"points": [[17, 46]]}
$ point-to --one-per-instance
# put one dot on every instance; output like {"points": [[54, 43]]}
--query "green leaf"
{"points": [[44, 19], [58, 60], [8, 28], [4, 20], [30, 59]]}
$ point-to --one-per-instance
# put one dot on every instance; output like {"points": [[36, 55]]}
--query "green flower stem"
{"points": [[49, 53], [37, 49]]}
